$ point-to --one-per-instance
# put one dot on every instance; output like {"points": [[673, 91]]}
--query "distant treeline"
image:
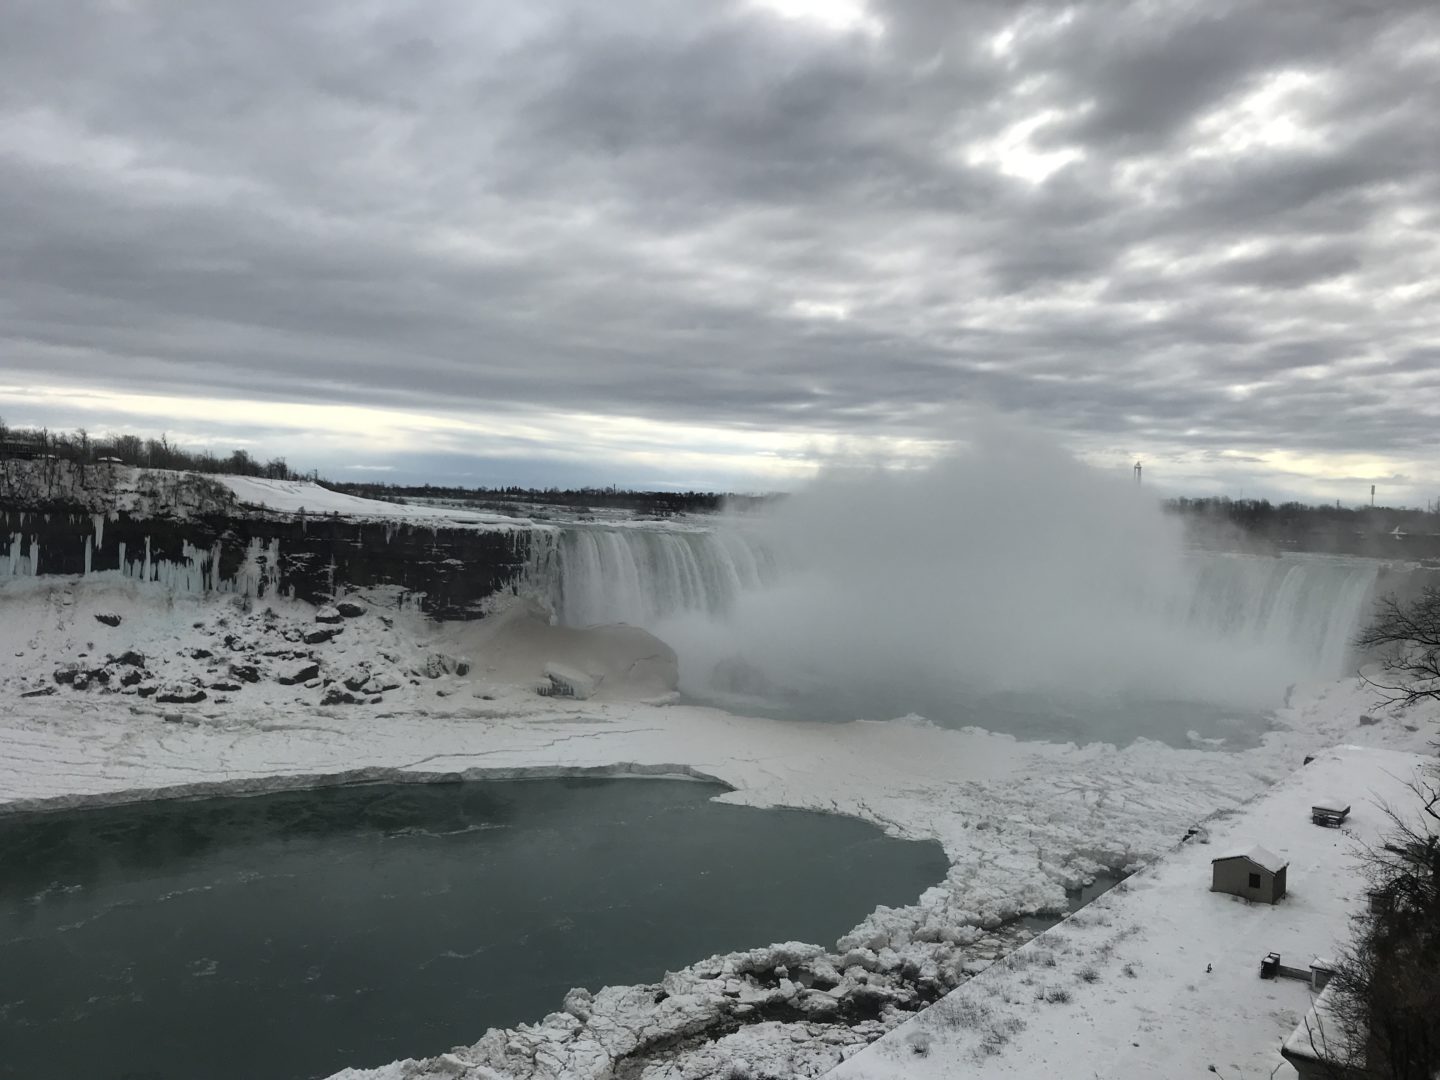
{"points": [[79, 447], [658, 503], [1369, 530]]}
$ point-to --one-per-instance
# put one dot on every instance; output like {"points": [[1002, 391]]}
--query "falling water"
{"points": [[592, 575], [1309, 606], [1305, 607]]}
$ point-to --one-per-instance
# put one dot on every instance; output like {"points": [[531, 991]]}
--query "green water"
{"points": [[291, 935]]}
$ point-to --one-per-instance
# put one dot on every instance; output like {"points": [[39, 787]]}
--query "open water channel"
{"points": [[291, 935]]}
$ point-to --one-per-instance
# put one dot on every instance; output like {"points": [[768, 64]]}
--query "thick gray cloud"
{"points": [[1156, 227]]}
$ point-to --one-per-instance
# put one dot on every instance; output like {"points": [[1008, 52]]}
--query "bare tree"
{"points": [[1406, 638], [1386, 997]]}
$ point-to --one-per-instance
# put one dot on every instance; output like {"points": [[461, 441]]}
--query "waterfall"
{"points": [[1307, 606], [598, 574], [1211, 622]]}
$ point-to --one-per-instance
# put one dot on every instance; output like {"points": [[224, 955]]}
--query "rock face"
{"points": [[447, 572]]}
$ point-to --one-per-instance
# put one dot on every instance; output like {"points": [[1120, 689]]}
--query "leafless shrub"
{"points": [[1406, 636]]}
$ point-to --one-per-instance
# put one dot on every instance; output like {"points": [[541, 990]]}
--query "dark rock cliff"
{"points": [[447, 571]]}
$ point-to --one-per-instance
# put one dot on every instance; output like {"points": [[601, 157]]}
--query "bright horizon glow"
{"points": [[348, 440]]}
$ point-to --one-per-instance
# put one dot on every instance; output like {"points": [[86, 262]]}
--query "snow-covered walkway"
{"points": [[1159, 977]]}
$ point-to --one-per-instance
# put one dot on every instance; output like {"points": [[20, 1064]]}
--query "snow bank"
{"points": [[295, 496]]}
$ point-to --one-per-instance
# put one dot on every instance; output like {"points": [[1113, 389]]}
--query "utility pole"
{"points": [[1372, 496]]}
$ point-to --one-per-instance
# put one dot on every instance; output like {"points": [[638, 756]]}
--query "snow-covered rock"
{"points": [[565, 681]]}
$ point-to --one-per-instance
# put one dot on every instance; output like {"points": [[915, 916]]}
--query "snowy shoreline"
{"points": [[269, 785]]}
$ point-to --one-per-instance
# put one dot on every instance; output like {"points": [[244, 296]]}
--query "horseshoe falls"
{"points": [[1199, 647]]}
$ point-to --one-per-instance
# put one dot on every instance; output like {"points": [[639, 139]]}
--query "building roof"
{"points": [[1321, 1036], [1329, 802], [1260, 856]]}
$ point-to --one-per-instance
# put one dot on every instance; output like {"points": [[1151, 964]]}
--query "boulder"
{"points": [[130, 658], [245, 672], [349, 609], [579, 1003], [93, 677], [301, 674], [438, 664], [568, 682], [109, 618], [328, 615], [180, 694], [65, 673], [320, 636], [336, 696]]}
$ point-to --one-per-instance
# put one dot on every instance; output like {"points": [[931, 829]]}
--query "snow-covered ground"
{"points": [[1020, 821], [293, 496], [1160, 976]]}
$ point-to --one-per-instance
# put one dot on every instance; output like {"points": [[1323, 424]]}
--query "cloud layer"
{"points": [[1201, 233]]}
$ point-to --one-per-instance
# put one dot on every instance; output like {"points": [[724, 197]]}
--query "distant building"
{"points": [[21, 445], [1254, 873]]}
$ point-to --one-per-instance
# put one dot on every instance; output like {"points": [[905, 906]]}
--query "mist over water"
{"points": [[1008, 586]]}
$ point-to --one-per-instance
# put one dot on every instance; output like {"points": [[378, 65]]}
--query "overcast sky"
{"points": [[713, 243]]}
